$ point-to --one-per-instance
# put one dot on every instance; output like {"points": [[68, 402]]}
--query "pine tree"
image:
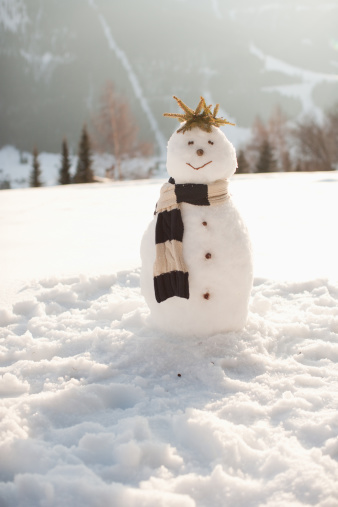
{"points": [[84, 172], [243, 165], [64, 175], [266, 161], [4, 182], [35, 176]]}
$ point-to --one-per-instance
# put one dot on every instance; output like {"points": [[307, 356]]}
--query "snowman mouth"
{"points": [[197, 168]]}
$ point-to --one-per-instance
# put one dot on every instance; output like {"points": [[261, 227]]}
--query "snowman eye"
{"points": [[191, 142], [210, 142]]}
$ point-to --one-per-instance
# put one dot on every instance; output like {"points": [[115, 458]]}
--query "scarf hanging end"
{"points": [[168, 285]]}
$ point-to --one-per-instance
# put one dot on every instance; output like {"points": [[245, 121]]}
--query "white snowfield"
{"points": [[99, 410]]}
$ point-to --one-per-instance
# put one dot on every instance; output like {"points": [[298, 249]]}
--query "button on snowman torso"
{"points": [[214, 256]]}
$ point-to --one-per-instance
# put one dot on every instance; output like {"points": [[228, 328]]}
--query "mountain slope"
{"points": [[56, 56]]}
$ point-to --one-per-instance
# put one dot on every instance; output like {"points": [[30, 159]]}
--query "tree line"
{"points": [[280, 145], [84, 172], [275, 145], [113, 130]]}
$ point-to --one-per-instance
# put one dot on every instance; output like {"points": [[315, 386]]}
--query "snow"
{"points": [[93, 410], [134, 81], [44, 64], [16, 167], [13, 15], [303, 91]]}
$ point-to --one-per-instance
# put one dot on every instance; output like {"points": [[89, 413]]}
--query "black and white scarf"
{"points": [[171, 277]]}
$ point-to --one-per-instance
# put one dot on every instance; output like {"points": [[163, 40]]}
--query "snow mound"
{"points": [[99, 409]]}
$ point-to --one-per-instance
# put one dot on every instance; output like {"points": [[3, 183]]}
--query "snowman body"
{"points": [[216, 244]]}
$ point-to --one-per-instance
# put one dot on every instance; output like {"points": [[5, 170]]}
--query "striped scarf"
{"points": [[171, 277]]}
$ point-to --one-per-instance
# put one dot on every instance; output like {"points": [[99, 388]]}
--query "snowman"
{"points": [[196, 272]]}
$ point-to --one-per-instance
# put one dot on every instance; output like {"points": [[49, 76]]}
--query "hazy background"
{"points": [[56, 56]]}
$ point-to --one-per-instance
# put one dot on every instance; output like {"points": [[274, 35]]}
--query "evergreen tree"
{"points": [[4, 182], [266, 161], [243, 165], [35, 176], [64, 175], [84, 172]]}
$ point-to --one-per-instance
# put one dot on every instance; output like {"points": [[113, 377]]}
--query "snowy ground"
{"points": [[99, 410]]}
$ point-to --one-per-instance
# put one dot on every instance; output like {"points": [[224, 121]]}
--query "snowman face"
{"points": [[200, 157]]}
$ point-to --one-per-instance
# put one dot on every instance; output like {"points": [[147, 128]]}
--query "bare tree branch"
{"points": [[115, 130]]}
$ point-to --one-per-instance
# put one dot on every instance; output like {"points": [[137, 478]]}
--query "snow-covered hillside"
{"points": [[98, 409], [247, 56], [16, 167]]}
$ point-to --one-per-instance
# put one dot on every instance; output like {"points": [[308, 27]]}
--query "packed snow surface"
{"points": [[98, 409]]}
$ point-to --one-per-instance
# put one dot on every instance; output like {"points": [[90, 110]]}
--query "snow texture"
{"points": [[98, 409], [302, 91]]}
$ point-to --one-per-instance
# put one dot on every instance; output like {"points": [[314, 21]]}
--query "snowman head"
{"points": [[199, 152]]}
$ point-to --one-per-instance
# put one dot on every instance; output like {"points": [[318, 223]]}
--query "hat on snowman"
{"points": [[202, 117]]}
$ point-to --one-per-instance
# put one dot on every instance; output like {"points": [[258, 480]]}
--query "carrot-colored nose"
{"points": [[200, 152]]}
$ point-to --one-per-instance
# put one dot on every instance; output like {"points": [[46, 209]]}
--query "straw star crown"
{"points": [[202, 117]]}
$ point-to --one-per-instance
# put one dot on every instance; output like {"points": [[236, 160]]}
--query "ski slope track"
{"points": [[98, 409], [304, 90], [133, 79]]}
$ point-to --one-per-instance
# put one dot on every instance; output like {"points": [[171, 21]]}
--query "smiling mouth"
{"points": [[197, 168]]}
